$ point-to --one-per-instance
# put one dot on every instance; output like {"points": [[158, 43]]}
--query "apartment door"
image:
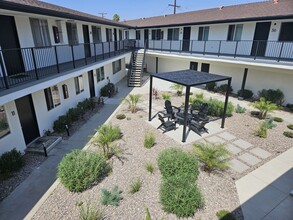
{"points": [[27, 117], [146, 37], [115, 39], [91, 83], [9, 40], [186, 39], [261, 35], [86, 39]]}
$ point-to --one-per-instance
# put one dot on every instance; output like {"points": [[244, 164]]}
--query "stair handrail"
{"points": [[143, 62], [130, 66]]}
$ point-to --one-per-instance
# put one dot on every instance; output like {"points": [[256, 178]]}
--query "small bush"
{"points": [[269, 123], [112, 197], [179, 88], [175, 161], [180, 196], [247, 94], [128, 118], [79, 169], [262, 131], [278, 119], [132, 100], [108, 89], [288, 134], [10, 162], [274, 96], [88, 212], [290, 107], [223, 88], [135, 186], [211, 86], [149, 140], [213, 156], [224, 215], [216, 108], [73, 115], [290, 126], [150, 167], [240, 109], [264, 107], [166, 96], [120, 116], [60, 123]]}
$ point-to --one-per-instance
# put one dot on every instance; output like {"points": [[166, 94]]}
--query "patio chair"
{"points": [[201, 114], [170, 110], [199, 120], [166, 125]]}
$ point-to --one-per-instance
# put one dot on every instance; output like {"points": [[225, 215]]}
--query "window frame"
{"points": [[40, 32], [234, 30], [72, 33], [79, 84], [4, 122], [109, 34], [137, 35], [203, 33], [100, 74], [282, 35], [157, 34], [172, 35], [97, 34], [49, 97], [116, 65]]}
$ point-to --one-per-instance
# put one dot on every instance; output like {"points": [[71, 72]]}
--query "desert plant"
{"points": [[166, 96], [155, 93], [288, 134], [269, 123], [180, 196], [10, 162], [60, 123], [150, 167], [179, 88], [88, 212], [120, 116], [128, 118], [174, 161], [290, 126], [262, 131], [107, 134], [79, 169], [213, 156], [135, 186], [148, 215], [223, 88], [108, 90], [278, 119], [274, 96], [216, 108], [264, 107], [211, 86], [240, 109], [196, 101], [149, 140], [112, 197], [290, 107], [132, 100], [224, 215], [246, 94]]}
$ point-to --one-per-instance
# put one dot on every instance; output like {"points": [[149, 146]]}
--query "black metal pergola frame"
{"points": [[189, 78]]}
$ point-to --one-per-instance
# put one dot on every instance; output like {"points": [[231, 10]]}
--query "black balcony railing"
{"points": [[273, 50], [22, 65]]}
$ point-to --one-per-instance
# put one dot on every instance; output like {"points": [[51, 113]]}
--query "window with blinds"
{"points": [[40, 32], [72, 33]]}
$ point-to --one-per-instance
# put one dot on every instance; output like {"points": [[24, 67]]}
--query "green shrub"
{"points": [[120, 116], [290, 126], [166, 96], [73, 115], [105, 90], [179, 88], [135, 186], [149, 140], [247, 94], [88, 212], [175, 161], [60, 123], [240, 109], [180, 196], [211, 86], [290, 107], [112, 197], [132, 100], [264, 107], [148, 215], [262, 131], [216, 108], [10, 162], [223, 88], [128, 118], [288, 134], [213, 156], [278, 119], [269, 123], [224, 215], [150, 167], [274, 96], [79, 169]]}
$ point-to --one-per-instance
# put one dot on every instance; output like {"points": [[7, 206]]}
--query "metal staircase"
{"points": [[135, 72]]}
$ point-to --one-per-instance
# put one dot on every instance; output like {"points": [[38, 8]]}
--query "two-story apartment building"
{"points": [[52, 57]]}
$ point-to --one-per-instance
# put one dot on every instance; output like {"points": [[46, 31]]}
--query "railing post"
{"points": [[180, 48], [56, 56], [95, 52], [4, 73], [35, 63], [103, 50], [109, 49], [84, 46], [73, 60], [204, 47], [161, 45], [280, 52], [256, 49], [170, 45], [236, 49], [191, 46], [219, 48], [153, 44]]}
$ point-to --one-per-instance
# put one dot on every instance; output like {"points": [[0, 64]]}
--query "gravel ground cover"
{"points": [[218, 189]]}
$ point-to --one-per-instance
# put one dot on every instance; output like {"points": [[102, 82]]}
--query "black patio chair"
{"points": [[199, 120], [166, 125], [170, 110], [201, 114]]}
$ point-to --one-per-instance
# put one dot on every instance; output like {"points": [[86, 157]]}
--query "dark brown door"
{"points": [[27, 117], [86, 38], [146, 37], [186, 39], [261, 35], [91, 83], [115, 39], [9, 40]]}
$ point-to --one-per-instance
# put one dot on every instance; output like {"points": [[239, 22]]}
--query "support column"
{"points": [[157, 64], [243, 81], [150, 98], [187, 94], [226, 103]]}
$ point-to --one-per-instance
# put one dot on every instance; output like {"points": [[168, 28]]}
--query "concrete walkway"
{"points": [[27, 194]]}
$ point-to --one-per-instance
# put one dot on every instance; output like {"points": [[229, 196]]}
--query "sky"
{"points": [[134, 9]]}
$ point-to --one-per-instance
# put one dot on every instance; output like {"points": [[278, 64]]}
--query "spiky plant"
{"points": [[132, 100], [179, 88], [264, 107], [213, 156]]}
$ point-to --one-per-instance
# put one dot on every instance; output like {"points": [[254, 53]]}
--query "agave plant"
{"points": [[179, 88], [132, 100], [264, 107]]}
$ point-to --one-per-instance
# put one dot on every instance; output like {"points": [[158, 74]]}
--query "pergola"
{"points": [[189, 78]]}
